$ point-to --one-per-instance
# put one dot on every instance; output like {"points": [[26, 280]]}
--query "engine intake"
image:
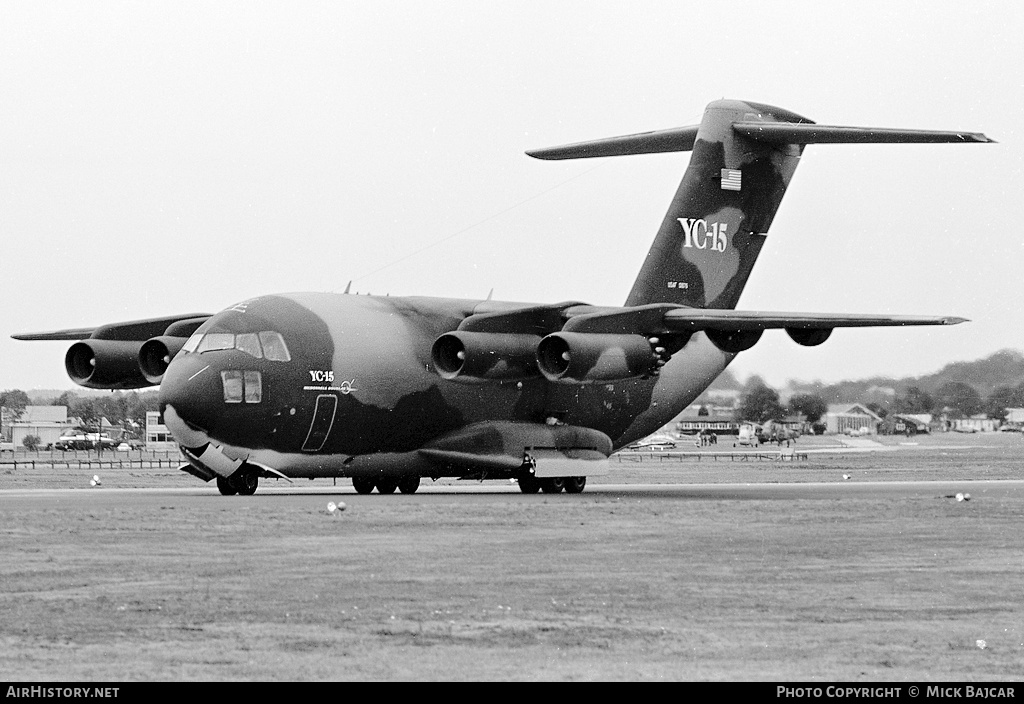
{"points": [[485, 356], [593, 357], [105, 364], [156, 354]]}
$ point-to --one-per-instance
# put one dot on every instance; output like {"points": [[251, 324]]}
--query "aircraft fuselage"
{"points": [[359, 380]]}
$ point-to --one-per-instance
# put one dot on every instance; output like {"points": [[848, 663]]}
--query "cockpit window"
{"points": [[269, 345], [216, 341], [274, 348], [249, 344], [240, 385], [233, 388], [192, 343]]}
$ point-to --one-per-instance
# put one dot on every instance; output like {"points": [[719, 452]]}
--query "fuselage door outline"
{"points": [[323, 421]]}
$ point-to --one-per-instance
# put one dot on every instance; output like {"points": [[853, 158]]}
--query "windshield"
{"points": [[263, 345]]}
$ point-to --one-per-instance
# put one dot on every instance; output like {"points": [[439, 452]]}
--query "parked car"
{"points": [[84, 441]]}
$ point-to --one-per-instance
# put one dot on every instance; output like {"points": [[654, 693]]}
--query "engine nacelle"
{"points": [[595, 357], [105, 364], [734, 341], [485, 356], [156, 354], [809, 337]]}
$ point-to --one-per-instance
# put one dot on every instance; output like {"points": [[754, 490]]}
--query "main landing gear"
{"points": [[407, 485], [529, 484], [244, 482]]}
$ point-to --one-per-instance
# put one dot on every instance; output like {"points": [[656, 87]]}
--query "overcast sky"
{"points": [[162, 158]]}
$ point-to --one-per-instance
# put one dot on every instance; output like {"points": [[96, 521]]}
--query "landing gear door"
{"points": [[323, 420]]}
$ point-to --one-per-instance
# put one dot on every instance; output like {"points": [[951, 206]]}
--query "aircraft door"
{"points": [[323, 420]]}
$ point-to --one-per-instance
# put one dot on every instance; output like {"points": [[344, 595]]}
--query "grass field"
{"points": [[613, 584]]}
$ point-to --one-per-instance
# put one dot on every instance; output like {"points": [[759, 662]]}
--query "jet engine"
{"points": [[734, 341], [809, 337], [485, 356], [597, 357], [156, 354], [105, 364], [119, 356]]}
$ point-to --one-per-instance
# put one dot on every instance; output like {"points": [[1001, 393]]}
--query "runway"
{"points": [[642, 576], [797, 491]]}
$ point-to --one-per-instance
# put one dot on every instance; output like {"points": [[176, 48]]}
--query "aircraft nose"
{"points": [[192, 386]]}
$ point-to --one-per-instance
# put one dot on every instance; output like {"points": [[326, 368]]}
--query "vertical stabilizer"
{"points": [[714, 229]]}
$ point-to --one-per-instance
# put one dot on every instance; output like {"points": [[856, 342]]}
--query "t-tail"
{"points": [[744, 156]]}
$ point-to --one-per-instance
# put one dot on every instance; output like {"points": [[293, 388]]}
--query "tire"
{"points": [[575, 485], [528, 484], [386, 486], [245, 481], [552, 485], [225, 486], [363, 485], [409, 484]]}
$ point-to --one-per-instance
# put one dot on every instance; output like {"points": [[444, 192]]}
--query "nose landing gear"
{"points": [[244, 482]]}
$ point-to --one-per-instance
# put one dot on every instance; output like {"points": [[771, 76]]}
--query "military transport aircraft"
{"points": [[389, 390]]}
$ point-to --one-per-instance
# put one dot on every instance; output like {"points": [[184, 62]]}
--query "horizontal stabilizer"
{"points": [[793, 133], [680, 319], [678, 139], [682, 139]]}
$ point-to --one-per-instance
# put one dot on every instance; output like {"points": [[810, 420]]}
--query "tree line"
{"points": [[120, 408], [759, 402]]}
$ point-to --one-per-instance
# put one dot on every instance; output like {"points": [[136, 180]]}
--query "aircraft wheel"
{"points": [[245, 481], [362, 485], [528, 484], [387, 486], [409, 484], [225, 487], [552, 485], [574, 485]]}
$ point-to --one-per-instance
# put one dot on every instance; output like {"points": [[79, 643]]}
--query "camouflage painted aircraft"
{"points": [[389, 390]]}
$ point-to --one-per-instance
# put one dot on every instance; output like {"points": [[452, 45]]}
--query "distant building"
{"points": [[979, 423], [1015, 416], [850, 417], [157, 435], [691, 422], [45, 422], [905, 424]]}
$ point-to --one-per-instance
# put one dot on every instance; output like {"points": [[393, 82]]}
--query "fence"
{"points": [[759, 456], [90, 458]]}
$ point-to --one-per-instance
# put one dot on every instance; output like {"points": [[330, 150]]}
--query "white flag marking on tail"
{"points": [[731, 179]]}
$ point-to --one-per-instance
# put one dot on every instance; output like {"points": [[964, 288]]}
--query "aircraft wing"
{"points": [[112, 356], [680, 319], [730, 330], [134, 330]]}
